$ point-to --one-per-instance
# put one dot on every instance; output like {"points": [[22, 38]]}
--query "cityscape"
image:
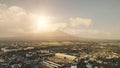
{"points": [[61, 54]]}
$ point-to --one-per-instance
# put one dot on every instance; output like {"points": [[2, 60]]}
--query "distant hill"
{"points": [[49, 36], [45, 36], [57, 35]]}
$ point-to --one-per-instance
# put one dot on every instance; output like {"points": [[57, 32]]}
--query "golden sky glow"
{"points": [[91, 19], [42, 23]]}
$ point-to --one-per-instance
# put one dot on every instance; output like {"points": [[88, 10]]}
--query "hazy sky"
{"points": [[84, 18]]}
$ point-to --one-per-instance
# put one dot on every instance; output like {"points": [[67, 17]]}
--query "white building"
{"points": [[63, 56]]}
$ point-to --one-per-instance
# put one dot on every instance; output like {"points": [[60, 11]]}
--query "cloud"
{"points": [[14, 20], [86, 30], [80, 22], [83, 31], [93, 33]]}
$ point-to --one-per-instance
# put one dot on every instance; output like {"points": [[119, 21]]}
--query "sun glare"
{"points": [[43, 23]]}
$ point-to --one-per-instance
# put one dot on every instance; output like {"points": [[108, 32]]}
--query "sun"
{"points": [[42, 23]]}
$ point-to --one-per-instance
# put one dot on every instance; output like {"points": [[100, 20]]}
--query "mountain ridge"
{"points": [[49, 36]]}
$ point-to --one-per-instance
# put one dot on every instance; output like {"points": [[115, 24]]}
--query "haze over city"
{"points": [[97, 19]]}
